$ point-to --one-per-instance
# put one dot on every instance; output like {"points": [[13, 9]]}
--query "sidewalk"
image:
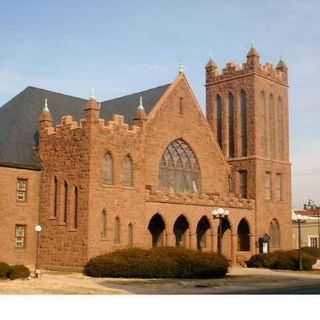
{"points": [[240, 271]]}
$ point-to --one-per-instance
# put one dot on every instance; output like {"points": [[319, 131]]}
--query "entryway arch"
{"points": [[243, 235], [157, 229], [225, 238], [181, 231], [203, 228]]}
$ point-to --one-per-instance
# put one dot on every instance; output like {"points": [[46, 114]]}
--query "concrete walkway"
{"points": [[238, 281], [239, 271]]}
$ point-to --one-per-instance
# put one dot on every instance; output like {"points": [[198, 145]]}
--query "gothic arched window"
{"points": [[243, 123], [264, 123], [281, 129], [231, 125], [179, 168], [103, 224], [107, 169], [219, 119], [128, 171], [117, 230], [271, 128], [130, 235], [274, 232]]}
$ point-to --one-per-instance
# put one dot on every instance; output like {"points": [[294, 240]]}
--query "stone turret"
{"points": [[253, 58], [140, 116], [92, 109], [211, 69], [45, 119], [282, 67]]}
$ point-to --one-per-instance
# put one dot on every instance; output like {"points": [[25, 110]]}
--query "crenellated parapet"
{"points": [[153, 194], [68, 124], [252, 65]]}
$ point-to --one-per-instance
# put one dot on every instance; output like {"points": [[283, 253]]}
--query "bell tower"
{"points": [[247, 109]]}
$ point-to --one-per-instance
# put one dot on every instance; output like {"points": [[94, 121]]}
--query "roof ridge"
{"points": [[138, 92], [55, 92]]}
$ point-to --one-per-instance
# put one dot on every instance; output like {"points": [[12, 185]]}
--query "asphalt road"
{"points": [[230, 285]]}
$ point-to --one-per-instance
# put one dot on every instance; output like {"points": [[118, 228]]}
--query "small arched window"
{"points": [[65, 209], [274, 232], [107, 169], [103, 224], [231, 124], [179, 168], [219, 119], [117, 230], [55, 197], [128, 171], [243, 123], [76, 207], [130, 235]]}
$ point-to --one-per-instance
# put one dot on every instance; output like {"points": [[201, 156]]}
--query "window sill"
{"points": [[73, 230], [52, 218], [103, 239], [109, 185], [21, 203], [129, 188]]}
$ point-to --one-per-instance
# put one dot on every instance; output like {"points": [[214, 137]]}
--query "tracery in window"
{"points": [[179, 168]]}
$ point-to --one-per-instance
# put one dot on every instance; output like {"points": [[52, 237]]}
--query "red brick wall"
{"points": [[255, 79], [13, 212]]}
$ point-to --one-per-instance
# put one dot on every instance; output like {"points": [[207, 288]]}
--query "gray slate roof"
{"points": [[19, 118]]}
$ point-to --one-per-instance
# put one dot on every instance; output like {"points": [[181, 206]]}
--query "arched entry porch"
{"points": [[157, 229], [203, 232], [181, 231], [225, 238], [243, 235]]}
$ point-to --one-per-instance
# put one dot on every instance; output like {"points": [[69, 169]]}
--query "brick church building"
{"points": [[148, 169]]}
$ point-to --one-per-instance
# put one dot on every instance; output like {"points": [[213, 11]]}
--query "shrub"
{"points": [[283, 260], [157, 263], [256, 261], [18, 272], [315, 252], [4, 270]]}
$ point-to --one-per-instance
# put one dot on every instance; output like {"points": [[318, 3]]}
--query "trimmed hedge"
{"points": [[157, 263], [18, 272], [283, 260], [315, 252], [4, 270]]}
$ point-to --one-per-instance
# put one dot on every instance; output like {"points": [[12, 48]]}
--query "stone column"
{"points": [[170, 240], [253, 247], [234, 249], [193, 240]]}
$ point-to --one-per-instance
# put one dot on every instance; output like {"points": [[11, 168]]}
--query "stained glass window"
{"points": [[179, 168]]}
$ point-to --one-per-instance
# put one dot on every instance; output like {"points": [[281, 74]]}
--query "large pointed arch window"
{"points": [[179, 168]]}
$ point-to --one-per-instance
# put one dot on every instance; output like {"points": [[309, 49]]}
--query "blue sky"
{"points": [[119, 47]]}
